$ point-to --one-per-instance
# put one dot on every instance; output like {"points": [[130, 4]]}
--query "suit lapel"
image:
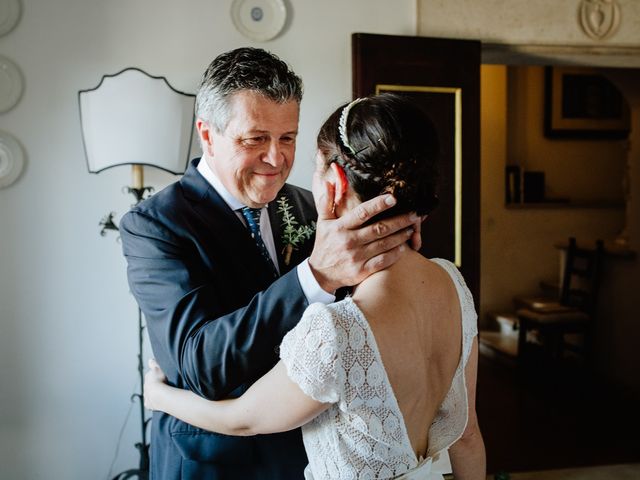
{"points": [[277, 227], [226, 230], [209, 205], [228, 235]]}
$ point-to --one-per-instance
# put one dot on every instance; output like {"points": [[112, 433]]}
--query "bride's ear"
{"points": [[341, 185]]}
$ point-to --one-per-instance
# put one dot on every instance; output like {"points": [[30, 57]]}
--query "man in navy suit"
{"points": [[212, 277]]}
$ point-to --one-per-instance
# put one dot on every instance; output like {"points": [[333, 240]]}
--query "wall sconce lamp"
{"points": [[133, 118]]}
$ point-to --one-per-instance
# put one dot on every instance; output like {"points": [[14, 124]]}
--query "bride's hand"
{"points": [[153, 379]]}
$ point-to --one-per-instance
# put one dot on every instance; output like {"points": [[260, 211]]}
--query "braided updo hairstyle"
{"points": [[392, 148]]}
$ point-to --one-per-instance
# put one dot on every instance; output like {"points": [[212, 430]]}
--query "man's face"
{"points": [[254, 155]]}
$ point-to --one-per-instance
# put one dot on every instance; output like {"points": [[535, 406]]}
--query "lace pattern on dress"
{"points": [[309, 352], [332, 355]]}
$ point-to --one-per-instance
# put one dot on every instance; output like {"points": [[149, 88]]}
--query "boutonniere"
{"points": [[293, 234]]}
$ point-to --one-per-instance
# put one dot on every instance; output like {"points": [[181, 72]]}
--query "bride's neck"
{"points": [[395, 275]]}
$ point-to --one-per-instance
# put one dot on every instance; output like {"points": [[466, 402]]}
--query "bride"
{"points": [[383, 382]]}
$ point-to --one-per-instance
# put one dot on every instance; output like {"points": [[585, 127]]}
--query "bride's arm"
{"points": [[273, 404], [467, 455]]}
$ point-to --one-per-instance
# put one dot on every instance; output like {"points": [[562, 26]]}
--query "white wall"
{"points": [[67, 322]]}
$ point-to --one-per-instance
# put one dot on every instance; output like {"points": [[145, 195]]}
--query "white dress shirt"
{"points": [[308, 282]]}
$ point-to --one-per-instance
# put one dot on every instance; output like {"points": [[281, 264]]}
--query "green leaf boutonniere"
{"points": [[294, 234]]}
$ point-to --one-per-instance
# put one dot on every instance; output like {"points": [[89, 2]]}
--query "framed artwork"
{"points": [[583, 103]]}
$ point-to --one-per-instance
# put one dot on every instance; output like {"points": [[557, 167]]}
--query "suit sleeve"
{"points": [[200, 347]]}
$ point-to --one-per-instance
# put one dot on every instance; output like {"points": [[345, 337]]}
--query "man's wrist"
{"points": [[312, 288], [323, 280]]}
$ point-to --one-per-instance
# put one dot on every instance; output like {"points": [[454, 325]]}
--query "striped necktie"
{"points": [[252, 216]]}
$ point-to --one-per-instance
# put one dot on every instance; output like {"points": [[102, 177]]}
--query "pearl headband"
{"points": [[342, 125]]}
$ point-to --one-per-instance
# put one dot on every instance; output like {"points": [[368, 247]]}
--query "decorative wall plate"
{"points": [[11, 159], [259, 20], [10, 84], [9, 15]]}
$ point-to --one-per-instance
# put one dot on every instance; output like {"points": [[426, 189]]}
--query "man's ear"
{"points": [[205, 136], [342, 184]]}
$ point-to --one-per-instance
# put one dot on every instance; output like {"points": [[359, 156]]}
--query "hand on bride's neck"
{"points": [[347, 201]]}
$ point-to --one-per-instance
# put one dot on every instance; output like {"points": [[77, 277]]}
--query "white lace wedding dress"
{"points": [[332, 355]]}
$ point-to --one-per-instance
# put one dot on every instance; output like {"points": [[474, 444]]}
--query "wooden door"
{"points": [[443, 77]]}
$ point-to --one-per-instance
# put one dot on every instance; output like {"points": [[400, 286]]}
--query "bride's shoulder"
{"points": [[448, 267]]}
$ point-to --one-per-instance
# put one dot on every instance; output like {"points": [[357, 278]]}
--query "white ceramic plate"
{"points": [[259, 20], [11, 159], [9, 15], [10, 84]]}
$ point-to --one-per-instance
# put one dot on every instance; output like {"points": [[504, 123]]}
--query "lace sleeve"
{"points": [[310, 354]]}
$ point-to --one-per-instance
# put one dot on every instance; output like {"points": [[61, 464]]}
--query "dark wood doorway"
{"points": [[443, 77]]}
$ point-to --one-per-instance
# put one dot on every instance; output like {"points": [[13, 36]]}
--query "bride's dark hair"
{"points": [[392, 148]]}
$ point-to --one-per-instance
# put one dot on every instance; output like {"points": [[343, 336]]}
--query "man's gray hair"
{"points": [[245, 68]]}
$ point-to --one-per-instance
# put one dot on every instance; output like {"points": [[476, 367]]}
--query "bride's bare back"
{"points": [[414, 312]]}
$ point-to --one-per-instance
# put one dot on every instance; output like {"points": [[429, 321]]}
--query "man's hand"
{"points": [[345, 252]]}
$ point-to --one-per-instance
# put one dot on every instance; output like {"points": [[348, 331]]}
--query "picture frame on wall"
{"points": [[583, 103]]}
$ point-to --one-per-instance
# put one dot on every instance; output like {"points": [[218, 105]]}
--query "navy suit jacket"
{"points": [[215, 318]]}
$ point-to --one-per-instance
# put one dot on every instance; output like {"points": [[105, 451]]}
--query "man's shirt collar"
{"points": [[212, 178]]}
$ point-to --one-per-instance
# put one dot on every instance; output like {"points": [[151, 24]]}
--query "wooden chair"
{"points": [[572, 312]]}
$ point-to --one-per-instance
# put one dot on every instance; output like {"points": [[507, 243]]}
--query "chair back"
{"points": [[581, 277]]}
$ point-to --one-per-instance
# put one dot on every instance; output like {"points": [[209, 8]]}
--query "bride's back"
{"points": [[414, 312]]}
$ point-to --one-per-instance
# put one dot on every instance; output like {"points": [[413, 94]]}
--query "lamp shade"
{"points": [[132, 117]]}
